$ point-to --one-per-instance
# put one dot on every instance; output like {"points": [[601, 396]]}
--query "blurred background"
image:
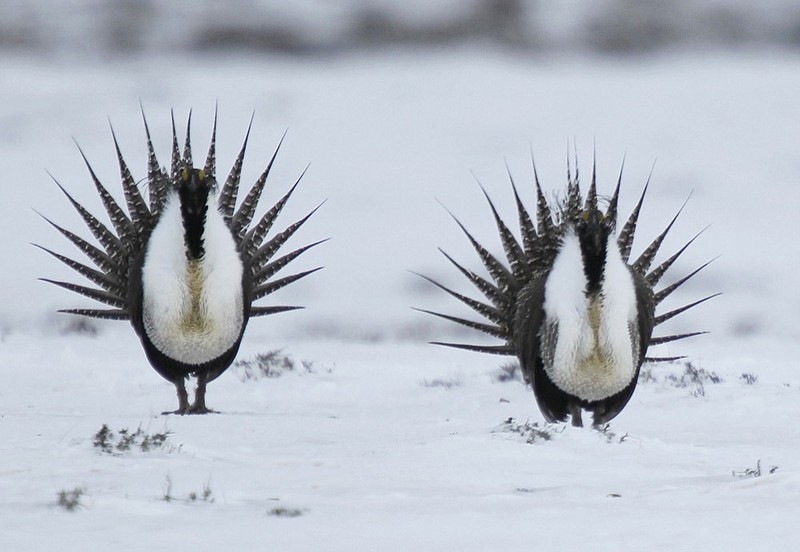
{"points": [[320, 27], [400, 105]]}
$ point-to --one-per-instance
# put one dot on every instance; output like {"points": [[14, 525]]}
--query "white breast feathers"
{"points": [[593, 354], [192, 309]]}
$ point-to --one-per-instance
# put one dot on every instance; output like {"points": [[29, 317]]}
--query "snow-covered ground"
{"points": [[387, 443]]}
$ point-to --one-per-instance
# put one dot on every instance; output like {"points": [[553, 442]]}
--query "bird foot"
{"points": [[183, 400], [200, 409], [194, 409], [180, 411]]}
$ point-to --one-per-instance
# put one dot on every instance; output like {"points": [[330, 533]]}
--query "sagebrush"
{"points": [[126, 440], [271, 364], [70, 500], [532, 432]]}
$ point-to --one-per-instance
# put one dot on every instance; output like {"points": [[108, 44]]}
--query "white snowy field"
{"points": [[388, 443]]}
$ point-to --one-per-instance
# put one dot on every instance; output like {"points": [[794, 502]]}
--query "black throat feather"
{"points": [[194, 208], [593, 252]]}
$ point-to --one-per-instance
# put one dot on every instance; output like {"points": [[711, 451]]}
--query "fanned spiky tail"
{"points": [[122, 244], [533, 257], [117, 248], [257, 251]]}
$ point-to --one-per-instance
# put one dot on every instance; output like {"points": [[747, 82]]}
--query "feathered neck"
{"points": [[193, 191], [592, 233]]}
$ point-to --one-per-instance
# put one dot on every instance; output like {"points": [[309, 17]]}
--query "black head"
{"points": [[194, 188], [593, 229]]}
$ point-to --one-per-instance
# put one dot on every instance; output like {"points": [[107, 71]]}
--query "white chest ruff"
{"points": [[592, 355], [192, 311]]}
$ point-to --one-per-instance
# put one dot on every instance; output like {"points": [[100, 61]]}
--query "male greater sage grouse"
{"points": [[568, 303], [185, 266]]}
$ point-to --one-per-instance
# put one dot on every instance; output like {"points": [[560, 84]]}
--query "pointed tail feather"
{"points": [[642, 264], [265, 311], [573, 204], [157, 179], [271, 287], [210, 167], [664, 293], [514, 254], [106, 314], [140, 214], [101, 259], [244, 214], [663, 359], [625, 238], [175, 162], [613, 204], [254, 237], [107, 239], [527, 229], [122, 224], [489, 349], [270, 269], [487, 311], [95, 276], [110, 299], [671, 338], [658, 272], [573, 198], [493, 293], [591, 195], [675, 312], [544, 216], [499, 273], [494, 331], [227, 197], [187, 145], [264, 253]]}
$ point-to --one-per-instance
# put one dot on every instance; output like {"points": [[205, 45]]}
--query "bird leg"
{"points": [[599, 416], [575, 414], [183, 398], [199, 405]]}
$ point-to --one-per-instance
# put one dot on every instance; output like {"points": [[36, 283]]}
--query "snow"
{"points": [[388, 443]]}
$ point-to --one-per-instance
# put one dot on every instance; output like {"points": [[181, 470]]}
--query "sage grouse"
{"points": [[185, 266], [569, 304]]}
